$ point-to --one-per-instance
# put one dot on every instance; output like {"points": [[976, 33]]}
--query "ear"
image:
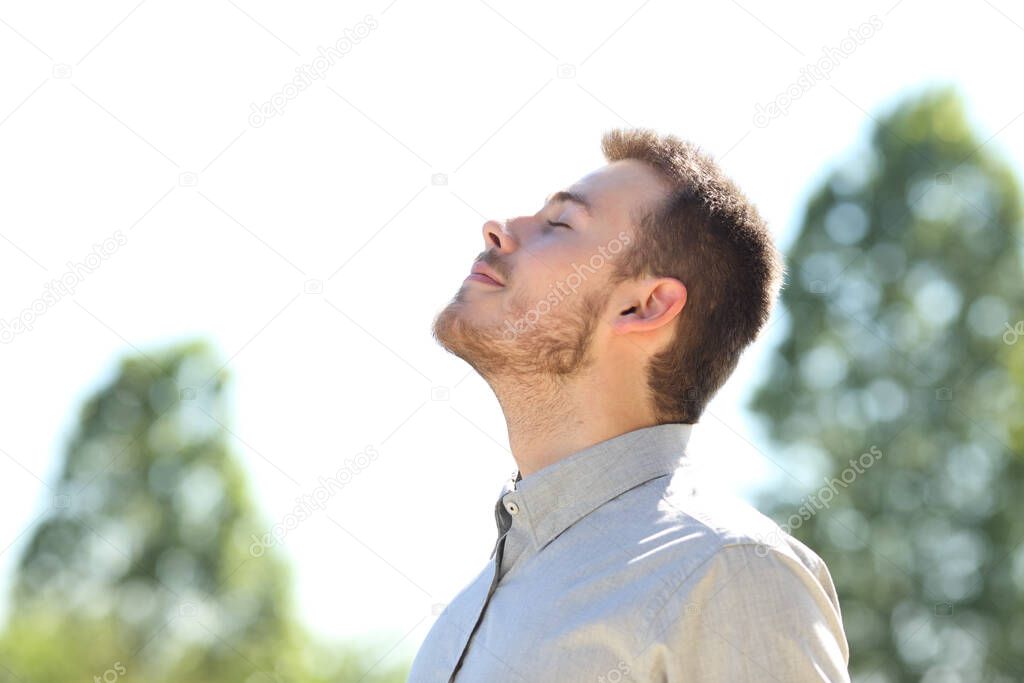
{"points": [[658, 303]]}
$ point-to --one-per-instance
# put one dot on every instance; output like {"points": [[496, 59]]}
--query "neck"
{"points": [[550, 418]]}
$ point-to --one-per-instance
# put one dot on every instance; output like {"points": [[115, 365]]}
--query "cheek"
{"points": [[545, 268], [566, 264], [551, 256], [531, 280]]}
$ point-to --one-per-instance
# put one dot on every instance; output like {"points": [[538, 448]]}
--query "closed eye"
{"points": [[555, 225]]}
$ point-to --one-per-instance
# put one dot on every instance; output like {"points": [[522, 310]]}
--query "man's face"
{"points": [[553, 296]]}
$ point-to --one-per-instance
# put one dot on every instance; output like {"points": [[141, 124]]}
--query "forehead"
{"points": [[615, 189]]}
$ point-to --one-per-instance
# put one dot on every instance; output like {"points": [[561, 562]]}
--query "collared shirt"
{"points": [[617, 563]]}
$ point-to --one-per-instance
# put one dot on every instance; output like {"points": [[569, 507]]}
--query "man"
{"points": [[604, 323]]}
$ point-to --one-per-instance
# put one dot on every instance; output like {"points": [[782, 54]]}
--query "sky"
{"points": [[312, 234]]}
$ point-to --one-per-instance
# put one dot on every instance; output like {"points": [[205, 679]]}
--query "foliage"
{"points": [[904, 285], [141, 565]]}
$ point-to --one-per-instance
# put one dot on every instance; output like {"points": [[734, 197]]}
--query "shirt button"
{"points": [[512, 507]]}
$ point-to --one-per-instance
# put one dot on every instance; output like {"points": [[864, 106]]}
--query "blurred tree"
{"points": [[143, 562], [904, 352]]}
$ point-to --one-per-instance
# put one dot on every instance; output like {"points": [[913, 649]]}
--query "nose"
{"points": [[498, 238]]}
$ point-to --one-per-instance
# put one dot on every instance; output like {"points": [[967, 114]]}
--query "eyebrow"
{"points": [[574, 197]]}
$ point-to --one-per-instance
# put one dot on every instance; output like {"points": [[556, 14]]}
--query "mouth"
{"points": [[484, 273], [480, 277]]}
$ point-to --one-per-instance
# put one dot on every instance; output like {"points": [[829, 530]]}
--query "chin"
{"points": [[447, 324]]}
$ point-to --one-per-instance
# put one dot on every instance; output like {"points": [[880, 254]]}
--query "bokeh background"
{"points": [[230, 449]]}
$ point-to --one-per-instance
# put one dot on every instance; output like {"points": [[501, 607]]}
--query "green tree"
{"points": [[903, 302], [903, 296], [143, 563]]}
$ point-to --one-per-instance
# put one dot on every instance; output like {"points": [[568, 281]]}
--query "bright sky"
{"points": [[133, 122]]}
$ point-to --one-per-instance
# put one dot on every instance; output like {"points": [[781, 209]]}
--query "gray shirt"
{"points": [[617, 564]]}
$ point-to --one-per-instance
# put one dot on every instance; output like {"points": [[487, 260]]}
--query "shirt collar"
{"points": [[556, 496]]}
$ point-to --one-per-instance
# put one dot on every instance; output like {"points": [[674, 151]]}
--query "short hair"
{"points": [[710, 237]]}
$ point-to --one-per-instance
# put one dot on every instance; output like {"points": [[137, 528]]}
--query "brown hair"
{"points": [[709, 236]]}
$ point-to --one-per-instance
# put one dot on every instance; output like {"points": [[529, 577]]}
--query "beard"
{"points": [[524, 344]]}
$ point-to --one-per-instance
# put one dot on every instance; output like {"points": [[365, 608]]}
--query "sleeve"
{"points": [[758, 614]]}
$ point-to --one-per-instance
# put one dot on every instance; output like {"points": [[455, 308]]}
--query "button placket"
{"points": [[497, 555]]}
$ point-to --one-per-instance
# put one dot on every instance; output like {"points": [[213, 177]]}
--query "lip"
{"points": [[483, 273]]}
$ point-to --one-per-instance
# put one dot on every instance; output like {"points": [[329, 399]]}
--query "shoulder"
{"points": [[751, 613], [755, 587], [726, 521], [729, 518], [679, 521]]}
